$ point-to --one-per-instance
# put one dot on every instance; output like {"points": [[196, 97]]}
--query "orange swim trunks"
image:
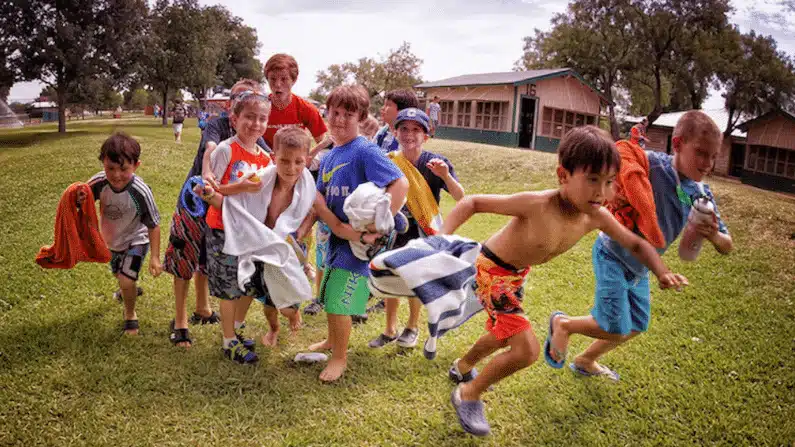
{"points": [[500, 288]]}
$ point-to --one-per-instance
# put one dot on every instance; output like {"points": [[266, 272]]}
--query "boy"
{"points": [[130, 219], [395, 101], [369, 127], [428, 174], [186, 254], [545, 224], [178, 118], [352, 162], [433, 111], [622, 303], [233, 163]]}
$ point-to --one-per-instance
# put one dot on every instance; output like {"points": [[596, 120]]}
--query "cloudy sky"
{"points": [[453, 37]]}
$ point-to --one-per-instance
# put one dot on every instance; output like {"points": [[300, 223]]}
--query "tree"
{"points": [[592, 38], [136, 99], [398, 69], [67, 42], [757, 78], [9, 44]]}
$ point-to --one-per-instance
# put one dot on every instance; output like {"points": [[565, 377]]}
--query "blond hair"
{"points": [[369, 126], [292, 138], [696, 125]]}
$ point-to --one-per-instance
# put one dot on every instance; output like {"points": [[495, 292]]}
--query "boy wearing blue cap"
{"points": [[428, 174]]}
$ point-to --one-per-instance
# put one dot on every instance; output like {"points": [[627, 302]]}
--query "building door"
{"points": [[737, 160], [527, 116]]}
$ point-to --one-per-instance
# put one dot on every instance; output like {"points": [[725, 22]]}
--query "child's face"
{"points": [[252, 120], [389, 111], [343, 124], [368, 130], [119, 175], [281, 84], [411, 135], [695, 158], [587, 190], [290, 162]]}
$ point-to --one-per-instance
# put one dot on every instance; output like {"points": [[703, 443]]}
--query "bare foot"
{"points": [[560, 339], [270, 339], [324, 345], [184, 344], [295, 322], [333, 370], [589, 366]]}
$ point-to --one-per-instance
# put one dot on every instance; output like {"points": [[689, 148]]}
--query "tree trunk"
{"points": [[729, 127], [657, 111], [165, 107], [61, 107], [611, 113]]}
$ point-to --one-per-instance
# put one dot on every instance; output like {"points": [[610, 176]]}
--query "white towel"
{"points": [[250, 240], [440, 271], [368, 204]]}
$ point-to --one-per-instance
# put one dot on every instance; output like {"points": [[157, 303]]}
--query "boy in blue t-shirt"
{"points": [[622, 305], [354, 161]]}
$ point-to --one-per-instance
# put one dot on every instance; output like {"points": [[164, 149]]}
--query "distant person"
{"points": [[203, 116], [178, 113], [433, 112], [637, 134], [369, 127]]}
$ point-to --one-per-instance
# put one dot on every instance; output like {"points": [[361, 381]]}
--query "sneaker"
{"points": [[455, 375], [247, 343], [377, 307], [313, 308], [359, 319], [408, 338], [381, 341], [239, 353], [471, 414]]}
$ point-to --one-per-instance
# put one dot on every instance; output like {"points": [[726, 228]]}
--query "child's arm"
{"points": [[442, 170], [207, 172], [398, 190], [721, 241], [155, 268], [306, 225], [640, 249], [517, 205], [342, 230], [209, 195]]}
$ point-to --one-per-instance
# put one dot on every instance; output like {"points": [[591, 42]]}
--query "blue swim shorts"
{"points": [[622, 304]]}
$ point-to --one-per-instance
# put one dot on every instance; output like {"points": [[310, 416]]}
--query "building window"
{"points": [[771, 160], [491, 115], [556, 122], [446, 118], [464, 113]]}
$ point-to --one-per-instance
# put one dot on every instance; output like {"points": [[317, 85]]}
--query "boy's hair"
{"points": [[248, 98], [696, 125], [120, 148], [249, 84], [282, 61], [403, 99], [370, 124], [589, 148], [292, 138], [352, 98]]}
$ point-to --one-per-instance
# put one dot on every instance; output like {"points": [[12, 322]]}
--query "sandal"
{"points": [[381, 341], [129, 325], [181, 336], [198, 318]]}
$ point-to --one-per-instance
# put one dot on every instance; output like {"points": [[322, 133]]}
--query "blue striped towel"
{"points": [[440, 271]]}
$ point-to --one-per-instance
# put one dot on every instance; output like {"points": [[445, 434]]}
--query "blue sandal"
{"points": [[548, 345], [604, 372]]}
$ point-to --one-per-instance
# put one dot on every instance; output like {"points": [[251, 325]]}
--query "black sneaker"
{"points": [[408, 338], [239, 353], [313, 308], [377, 307]]}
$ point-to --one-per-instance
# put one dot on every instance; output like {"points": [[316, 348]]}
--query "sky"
{"points": [[452, 37]]}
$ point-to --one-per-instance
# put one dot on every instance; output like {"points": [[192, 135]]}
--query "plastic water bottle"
{"points": [[702, 212]]}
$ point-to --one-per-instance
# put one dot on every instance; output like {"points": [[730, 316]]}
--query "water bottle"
{"points": [[702, 212]]}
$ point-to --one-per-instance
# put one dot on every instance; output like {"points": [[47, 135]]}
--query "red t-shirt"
{"points": [[240, 162], [298, 113]]}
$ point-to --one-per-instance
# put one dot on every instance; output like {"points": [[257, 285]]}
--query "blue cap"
{"points": [[416, 115]]}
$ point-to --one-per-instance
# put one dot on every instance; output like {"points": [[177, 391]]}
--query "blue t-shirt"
{"points": [[671, 212], [341, 171], [385, 140]]}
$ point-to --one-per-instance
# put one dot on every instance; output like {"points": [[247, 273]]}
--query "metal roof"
{"points": [[785, 113], [720, 116], [508, 77]]}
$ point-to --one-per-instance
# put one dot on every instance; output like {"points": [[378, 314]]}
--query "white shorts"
{"points": [[177, 127]]}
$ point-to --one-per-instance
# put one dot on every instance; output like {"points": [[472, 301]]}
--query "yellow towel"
{"points": [[419, 200]]}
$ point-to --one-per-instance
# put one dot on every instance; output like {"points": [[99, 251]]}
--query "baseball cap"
{"points": [[416, 115]]}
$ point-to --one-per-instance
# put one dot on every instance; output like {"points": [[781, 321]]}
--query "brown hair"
{"points": [[120, 148], [352, 98], [249, 84], [697, 126], [255, 97], [282, 61], [589, 148], [291, 137], [403, 99]]}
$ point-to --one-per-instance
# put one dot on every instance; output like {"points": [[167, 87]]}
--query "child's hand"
{"points": [[155, 268], [674, 280], [246, 185], [371, 238], [708, 230], [205, 192], [438, 167], [209, 179], [81, 197]]}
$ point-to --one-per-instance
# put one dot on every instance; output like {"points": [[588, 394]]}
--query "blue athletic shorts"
{"points": [[622, 304]]}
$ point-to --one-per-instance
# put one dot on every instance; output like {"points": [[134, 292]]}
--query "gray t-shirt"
{"points": [[433, 111], [127, 214]]}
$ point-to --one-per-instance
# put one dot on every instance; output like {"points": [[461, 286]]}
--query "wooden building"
{"points": [[769, 159], [529, 109]]}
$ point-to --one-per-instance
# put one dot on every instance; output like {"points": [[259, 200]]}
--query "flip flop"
{"points": [[604, 372], [548, 345]]}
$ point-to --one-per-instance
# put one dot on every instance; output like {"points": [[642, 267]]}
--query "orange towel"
{"points": [[77, 236], [634, 203]]}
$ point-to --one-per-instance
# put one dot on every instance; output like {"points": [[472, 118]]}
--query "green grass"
{"points": [[716, 367]]}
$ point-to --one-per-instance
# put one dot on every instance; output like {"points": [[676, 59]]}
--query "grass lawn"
{"points": [[716, 368]]}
